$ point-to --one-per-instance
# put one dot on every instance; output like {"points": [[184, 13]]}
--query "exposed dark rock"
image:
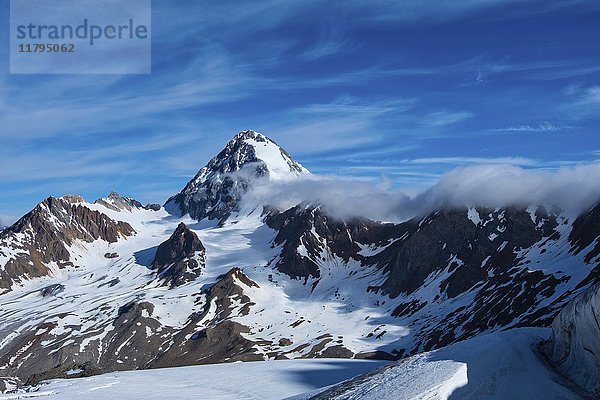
{"points": [[436, 239], [445, 239], [116, 202], [586, 230], [294, 229], [180, 259], [52, 290], [9, 384], [337, 351], [473, 252], [153, 207], [65, 371], [111, 255], [217, 188], [49, 229], [376, 355]]}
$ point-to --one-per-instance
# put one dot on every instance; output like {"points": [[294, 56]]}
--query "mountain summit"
{"points": [[217, 188]]}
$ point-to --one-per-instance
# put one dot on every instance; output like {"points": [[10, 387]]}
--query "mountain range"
{"points": [[218, 276]]}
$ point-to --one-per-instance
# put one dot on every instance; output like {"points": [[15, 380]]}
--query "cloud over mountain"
{"points": [[573, 189]]}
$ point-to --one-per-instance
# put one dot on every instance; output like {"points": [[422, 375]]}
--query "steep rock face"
{"points": [[585, 233], [475, 254], [413, 250], [217, 188], [114, 201], [38, 243], [181, 258], [306, 235], [574, 347], [479, 243]]}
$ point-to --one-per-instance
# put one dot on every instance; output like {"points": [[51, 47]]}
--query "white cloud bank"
{"points": [[573, 189]]}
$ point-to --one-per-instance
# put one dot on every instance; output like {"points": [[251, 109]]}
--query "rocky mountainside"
{"points": [[216, 189], [38, 244], [113, 285]]}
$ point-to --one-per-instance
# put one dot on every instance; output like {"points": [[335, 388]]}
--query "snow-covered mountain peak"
{"points": [[114, 201], [250, 149], [215, 190]]}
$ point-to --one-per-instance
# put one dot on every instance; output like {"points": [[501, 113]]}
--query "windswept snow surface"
{"points": [[251, 380], [499, 366]]}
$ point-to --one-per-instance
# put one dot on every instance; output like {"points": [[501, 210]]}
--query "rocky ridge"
{"points": [[38, 244]]}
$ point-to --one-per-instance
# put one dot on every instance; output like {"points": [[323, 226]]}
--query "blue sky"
{"points": [[398, 91]]}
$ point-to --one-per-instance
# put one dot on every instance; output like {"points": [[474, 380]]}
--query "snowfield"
{"points": [[250, 380], [499, 366]]}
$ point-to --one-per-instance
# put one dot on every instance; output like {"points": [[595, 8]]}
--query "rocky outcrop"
{"points": [[181, 258], [216, 190], [574, 347], [38, 243], [476, 252]]}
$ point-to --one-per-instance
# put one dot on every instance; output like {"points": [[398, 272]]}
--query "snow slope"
{"points": [[499, 366], [253, 380]]}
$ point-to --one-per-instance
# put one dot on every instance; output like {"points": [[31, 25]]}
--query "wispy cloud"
{"points": [[356, 106], [443, 118], [592, 95], [430, 12], [331, 42], [543, 127], [475, 160]]}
